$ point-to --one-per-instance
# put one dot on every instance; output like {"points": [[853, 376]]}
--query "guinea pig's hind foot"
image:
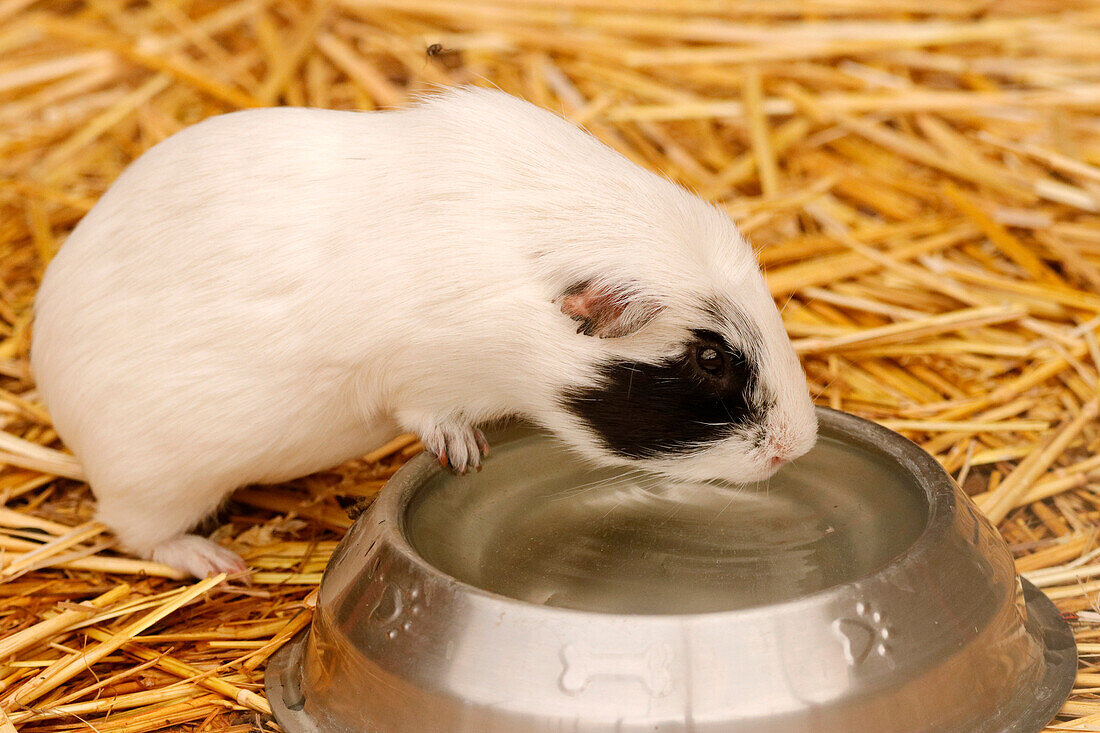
{"points": [[198, 556], [458, 448]]}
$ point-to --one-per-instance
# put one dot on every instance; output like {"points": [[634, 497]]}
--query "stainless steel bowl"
{"points": [[857, 590]]}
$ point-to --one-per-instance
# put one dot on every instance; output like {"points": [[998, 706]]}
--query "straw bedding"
{"points": [[922, 181]]}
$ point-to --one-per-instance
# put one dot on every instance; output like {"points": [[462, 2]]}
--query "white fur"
{"points": [[272, 292]]}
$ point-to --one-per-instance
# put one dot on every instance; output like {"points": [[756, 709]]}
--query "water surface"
{"points": [[541, 526]]}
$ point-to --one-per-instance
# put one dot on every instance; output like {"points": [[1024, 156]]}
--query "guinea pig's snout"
{"points": [[783, 446], [781, 454]]}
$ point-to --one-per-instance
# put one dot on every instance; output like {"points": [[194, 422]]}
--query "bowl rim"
{"points": [[939, 496]]}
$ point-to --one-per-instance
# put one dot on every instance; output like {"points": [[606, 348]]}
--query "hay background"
{"points": [[922, 179]]}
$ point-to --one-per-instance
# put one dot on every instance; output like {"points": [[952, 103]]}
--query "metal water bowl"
{"points": [[858, 589]]}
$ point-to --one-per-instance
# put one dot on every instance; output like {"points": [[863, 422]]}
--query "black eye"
{"points": [[710, 359]]}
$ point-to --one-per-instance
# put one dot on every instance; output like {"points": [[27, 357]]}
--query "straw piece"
{"points": [[9, 518], [1038, 565], [819, 46], [999, 503], [51, 69], [893, 264], [758, 130], [1074, 574], [296, 624], [108, 704], [288, 63], [262, 578], [181, 71], [9, 8], [783, 281], [252, 631], [915, 329], [1064, 193], [51, 548], [847, 103], [367, 76], [50, 168], [1074, 264], [21, 483], [907, 146], [1060, 592], [113, 684], [1049, 488], [160, 717], [393, 446], [1078, 473], [174, 666], [1029, 378], [97, 563], [744, 167], [55, 625], [1001, 237], [927, 426], [1057, 293], [286, 502], [46, 246], [21, 452], [1063, 163]]}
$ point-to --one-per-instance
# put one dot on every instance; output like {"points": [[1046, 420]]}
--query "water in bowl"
{"points": [[558, 532]]}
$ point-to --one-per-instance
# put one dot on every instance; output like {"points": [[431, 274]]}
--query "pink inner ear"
{"points": [[593, 303], [607, 311]]}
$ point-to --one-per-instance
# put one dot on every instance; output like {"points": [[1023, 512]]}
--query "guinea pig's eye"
{"points": [[710, 359]]}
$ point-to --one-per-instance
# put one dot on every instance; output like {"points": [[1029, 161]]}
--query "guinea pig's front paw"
{"points": [[458, 447]]}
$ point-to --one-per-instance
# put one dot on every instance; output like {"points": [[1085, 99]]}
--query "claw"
{"points": [[482, 444], [458, 448]]}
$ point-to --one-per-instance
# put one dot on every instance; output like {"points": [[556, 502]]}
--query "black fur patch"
{"points": [[670, 408]]}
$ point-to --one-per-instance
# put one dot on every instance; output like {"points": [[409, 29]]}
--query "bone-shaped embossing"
{"points": [[650, 667]]}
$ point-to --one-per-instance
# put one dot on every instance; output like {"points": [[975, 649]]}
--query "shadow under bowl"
{"points": [[857, 588]]}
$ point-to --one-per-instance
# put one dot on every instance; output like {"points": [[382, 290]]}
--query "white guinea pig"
{"points": [[272, 292]]}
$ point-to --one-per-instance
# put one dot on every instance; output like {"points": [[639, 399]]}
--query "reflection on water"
{"points": [[540, 526]]}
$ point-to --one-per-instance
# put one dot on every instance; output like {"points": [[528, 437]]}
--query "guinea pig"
{"points": [[272, 292]]}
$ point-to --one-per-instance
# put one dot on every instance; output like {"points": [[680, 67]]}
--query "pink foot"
{"points": [[198, 556]]}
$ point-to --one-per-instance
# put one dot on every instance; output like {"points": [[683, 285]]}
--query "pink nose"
{"points": [[778, 461]]}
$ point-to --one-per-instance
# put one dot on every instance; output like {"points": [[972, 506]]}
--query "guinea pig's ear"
{"points": [[607, 310]]}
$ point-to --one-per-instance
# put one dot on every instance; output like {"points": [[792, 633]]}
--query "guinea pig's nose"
{"points": [[778, 461]]}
